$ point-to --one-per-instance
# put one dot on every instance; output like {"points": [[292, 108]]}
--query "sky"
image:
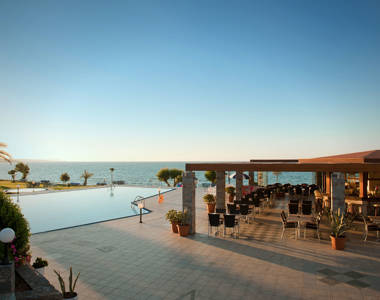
{"points": [[189, 80]]}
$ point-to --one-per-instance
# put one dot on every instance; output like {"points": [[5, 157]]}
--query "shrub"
{"points": [[11, 216], [230, 190], [40, 263], [211, 176], [209, 198], [171, 216]]}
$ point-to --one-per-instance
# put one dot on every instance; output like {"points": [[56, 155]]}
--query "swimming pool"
{"points": [[25, 190], [60, 210]]}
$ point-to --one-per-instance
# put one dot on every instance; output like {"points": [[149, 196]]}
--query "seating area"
{"points": [[298, 210]]}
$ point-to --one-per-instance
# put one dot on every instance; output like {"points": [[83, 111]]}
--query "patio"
{"points": [[123, 259]]}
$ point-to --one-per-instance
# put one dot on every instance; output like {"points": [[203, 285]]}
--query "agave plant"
{"points": [[72, 284], [339, 223]]}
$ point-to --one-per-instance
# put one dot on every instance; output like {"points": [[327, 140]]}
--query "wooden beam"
{"points": [[284, 167], [363, 181]]}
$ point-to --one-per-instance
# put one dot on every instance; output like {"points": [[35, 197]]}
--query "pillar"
{"points": [[239, 184], [220, 189], [188, 198], [363, 179], [337, 192], [251, 175], [328, 183]]}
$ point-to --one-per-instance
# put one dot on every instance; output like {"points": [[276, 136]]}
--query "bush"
{"points": [[211, 176], [11, 216], [230, 190], [209, 198]]}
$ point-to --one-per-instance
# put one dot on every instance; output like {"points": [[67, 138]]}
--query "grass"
{"points": [[8, 184]]}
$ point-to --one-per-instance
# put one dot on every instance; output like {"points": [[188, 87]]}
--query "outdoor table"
{"points": [[301, 219]]}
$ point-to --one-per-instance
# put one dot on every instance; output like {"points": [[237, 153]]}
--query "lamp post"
{"points": [[141, 205], [7, 235]]}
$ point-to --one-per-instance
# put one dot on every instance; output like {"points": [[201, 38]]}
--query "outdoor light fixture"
{"points": [[18, 193], [141, 205], [7, 235]]}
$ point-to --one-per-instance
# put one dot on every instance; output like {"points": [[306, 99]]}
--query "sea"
{"points": [[132, 173]]}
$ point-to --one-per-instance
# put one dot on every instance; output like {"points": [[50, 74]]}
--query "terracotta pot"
{"points": [[183, 230], [71, 296], [338, 243], [231, 198], [174, 228], [211, 207]]}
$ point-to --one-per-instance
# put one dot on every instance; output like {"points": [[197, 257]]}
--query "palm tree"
{"points": [[112, 169], [5, 155], [86, 175], [65, 177], [23, 169], [12, 173]]}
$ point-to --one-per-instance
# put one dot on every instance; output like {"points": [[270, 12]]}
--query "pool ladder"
{"points": [[136, 201]]}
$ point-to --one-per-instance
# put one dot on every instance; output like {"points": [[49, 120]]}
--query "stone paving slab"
{"points": [[123, 259]]}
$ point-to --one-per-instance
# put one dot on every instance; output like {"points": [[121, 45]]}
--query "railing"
{"points": [[137, 200]]}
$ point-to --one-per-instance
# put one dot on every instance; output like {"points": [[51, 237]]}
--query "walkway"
{"points": [[123, 259]]}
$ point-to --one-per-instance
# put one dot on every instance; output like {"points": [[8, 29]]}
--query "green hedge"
{"points": [[11, 216]]}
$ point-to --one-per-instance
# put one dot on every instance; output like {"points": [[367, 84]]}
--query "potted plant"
{"points": [[40, 265], [210, 200], [339, 224], [230, 190], [71, 294], [183, 224], [171, 216]]}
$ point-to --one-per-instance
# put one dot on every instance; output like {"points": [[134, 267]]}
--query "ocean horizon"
{"points": [[133, 173]]}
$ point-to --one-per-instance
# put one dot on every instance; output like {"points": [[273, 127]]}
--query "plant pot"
{"points": [[174, 228], [231, 198], [338, 243], [71, 296], [211, 207], [183, 230], [41, 270]]}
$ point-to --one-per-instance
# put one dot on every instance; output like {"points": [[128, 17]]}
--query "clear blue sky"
{"points": [[189, 80]]}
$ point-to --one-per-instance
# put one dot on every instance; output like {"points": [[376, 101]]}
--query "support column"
{"points": [[363, 179], [239, 184], [337, 192], [328, 183], [319, 179], [251, 175], [220, 189], [188, 198]]}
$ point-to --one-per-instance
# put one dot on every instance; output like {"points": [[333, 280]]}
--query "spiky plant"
{"points": [[5, 155], [339, 223], [71, 284]]}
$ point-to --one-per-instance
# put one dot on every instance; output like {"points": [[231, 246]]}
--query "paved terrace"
{"points": [[123, 259]]}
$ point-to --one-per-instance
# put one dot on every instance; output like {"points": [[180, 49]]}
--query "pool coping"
{"points": [[108, 220]]}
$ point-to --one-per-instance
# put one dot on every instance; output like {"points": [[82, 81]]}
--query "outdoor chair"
{"points": [[369, 226], [256, 205], [293, 208], [314, 225], [214, 221], [231, 222], [244, 212], [287, 225], [220, 210], [306, 209], [232, 209]]}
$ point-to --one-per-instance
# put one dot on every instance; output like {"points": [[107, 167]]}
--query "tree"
{"points": [[211, 176], [4, 155], [176, 175], [23, 169], [12, 173], [65, 177], [164, 175], [86, 175]]}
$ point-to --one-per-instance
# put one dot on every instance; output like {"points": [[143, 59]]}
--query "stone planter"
{"points": [[211, 207], [338, 243], [183, 230], [41, 271]]}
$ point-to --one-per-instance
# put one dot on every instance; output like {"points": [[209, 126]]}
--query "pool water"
{"points": [[25, 190], [59, 210]]}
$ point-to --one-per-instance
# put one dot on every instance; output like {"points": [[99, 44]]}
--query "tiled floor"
{"points": [[123, 259]]}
